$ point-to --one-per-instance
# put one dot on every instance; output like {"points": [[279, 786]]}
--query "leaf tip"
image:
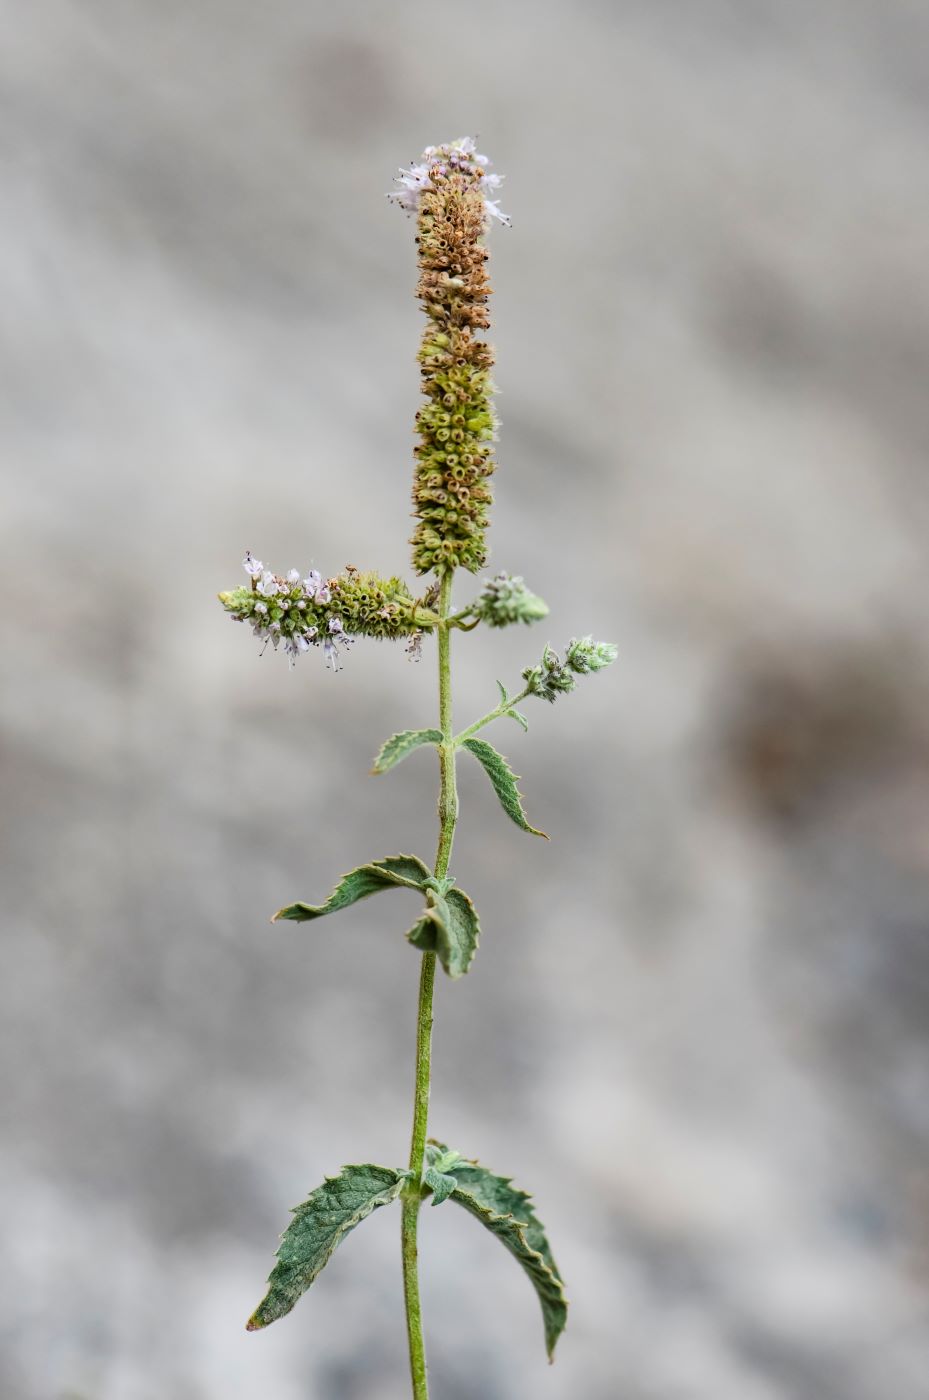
{"points": [[254, 1323]]}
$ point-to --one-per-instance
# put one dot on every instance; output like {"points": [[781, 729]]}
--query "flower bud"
{"points": [[553, 677], [504, 600]]}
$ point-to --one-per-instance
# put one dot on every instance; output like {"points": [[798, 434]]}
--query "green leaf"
{"points": [[519, 718], [319, 1225], [503, 779], [404, 871], [508, 1214], [440, 1184], [504, 693], [399, 745], [449, 927], [442, 1158]]}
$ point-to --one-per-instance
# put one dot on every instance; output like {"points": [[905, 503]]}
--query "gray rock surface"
{"points": [[697, 1027]]}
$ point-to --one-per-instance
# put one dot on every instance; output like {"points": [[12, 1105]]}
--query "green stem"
{"points": [[503, 708], [448, 816]]}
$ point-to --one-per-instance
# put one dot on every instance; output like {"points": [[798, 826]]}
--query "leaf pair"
{"points": [[501, 775], [333, 1210], [449, 927]]}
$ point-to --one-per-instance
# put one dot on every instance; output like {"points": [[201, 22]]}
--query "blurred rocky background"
{"points": [[697, 1027]]}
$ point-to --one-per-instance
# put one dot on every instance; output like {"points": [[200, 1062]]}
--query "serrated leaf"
{"points": [[503, 779], [399, 745], [440, 1184], [319, 1225], [393, 871], [508, 1214], [450, 927]]}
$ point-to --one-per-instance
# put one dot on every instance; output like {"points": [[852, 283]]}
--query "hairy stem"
{"points": [[503, 708], [448, 816]]}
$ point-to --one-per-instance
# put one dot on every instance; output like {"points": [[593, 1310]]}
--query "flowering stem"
{"points": [[502, 709], [448, 816]]}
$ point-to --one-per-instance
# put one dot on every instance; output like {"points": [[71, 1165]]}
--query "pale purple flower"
{"points": [[495, 212], [457, 155], [251, 565], [333, 642], [311, 583], [269, 586]]}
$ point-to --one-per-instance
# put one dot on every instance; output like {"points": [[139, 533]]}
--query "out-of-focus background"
{"points": [[697, 1026]]}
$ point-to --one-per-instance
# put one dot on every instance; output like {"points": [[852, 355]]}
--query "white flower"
{"points": [[293, 576], [457, 155], [495, 212], [335, 624], [413, 183], [269, 586], [311, 583], [251, 565], [261, 607], [323, 594]]}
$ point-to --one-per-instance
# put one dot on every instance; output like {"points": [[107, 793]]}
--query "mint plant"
{"points": [[449, 191]]}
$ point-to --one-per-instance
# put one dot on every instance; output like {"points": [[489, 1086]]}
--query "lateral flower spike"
{"points": [[504, 600], [303, 612], [553, 677], [448, 190]]}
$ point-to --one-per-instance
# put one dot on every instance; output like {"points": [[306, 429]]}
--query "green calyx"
{"points": [[370, 606]]}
